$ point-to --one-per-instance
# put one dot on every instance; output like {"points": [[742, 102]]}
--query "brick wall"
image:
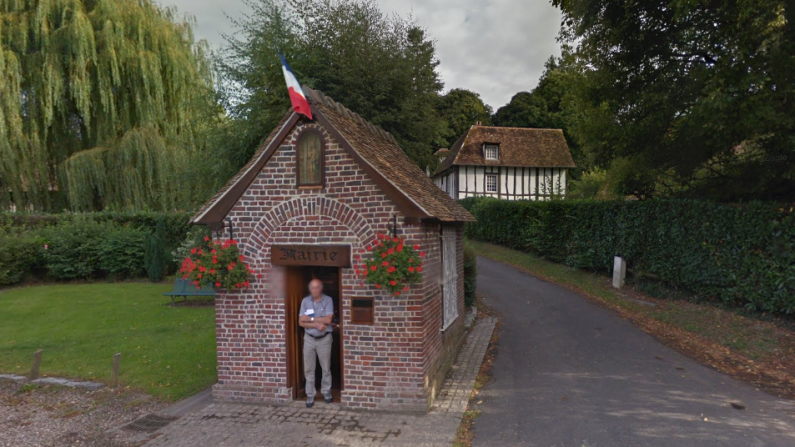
{"points": [[441, 347], [386, 365]]}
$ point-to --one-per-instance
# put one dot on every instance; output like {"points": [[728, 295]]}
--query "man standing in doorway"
{"points": [[317, 311]]}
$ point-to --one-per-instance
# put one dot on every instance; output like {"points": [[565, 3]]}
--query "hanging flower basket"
{"points": [[391, 265], [218, 264]]}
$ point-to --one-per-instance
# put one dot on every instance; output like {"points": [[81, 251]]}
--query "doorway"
{"points": [[297, 288]]}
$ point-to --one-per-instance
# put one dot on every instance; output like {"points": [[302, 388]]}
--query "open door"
{"points": [[297, 288]]}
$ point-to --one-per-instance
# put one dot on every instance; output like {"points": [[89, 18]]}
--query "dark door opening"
{"points": [[297, 288]]}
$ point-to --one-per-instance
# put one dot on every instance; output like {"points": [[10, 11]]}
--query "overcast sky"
{"points": [[493, 47]]}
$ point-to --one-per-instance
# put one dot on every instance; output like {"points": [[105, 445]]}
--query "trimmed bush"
{"points": [[20, 255], [156, 253], [74, 249], [84, 249], [470, 276], [122, 252], [738, 255], [176, 223]]}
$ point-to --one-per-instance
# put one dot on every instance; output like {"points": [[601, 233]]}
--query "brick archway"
{"points": [[317, 206]]}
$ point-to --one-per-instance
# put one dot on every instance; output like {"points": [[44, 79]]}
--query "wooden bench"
{"points": [[184, 288]]}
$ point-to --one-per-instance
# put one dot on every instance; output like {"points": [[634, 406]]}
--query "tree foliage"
{"points": [[548, 106], [100, 103], [381, 67], [459, 109], [687, 97]]}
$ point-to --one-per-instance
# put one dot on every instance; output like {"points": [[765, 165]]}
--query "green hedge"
{"points": [[176, 223], [739, 255], [87, 245], [89, 249], [20, 257]]}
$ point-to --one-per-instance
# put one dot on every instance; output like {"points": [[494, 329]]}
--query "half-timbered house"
{"points": [[512, 163]]}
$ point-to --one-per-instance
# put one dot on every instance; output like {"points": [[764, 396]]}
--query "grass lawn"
{"points": [[168, 352], [747, 348]]}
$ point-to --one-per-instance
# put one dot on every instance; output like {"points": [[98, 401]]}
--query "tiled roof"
{"points": [[381, 151], [519, 146], [376, 147]]}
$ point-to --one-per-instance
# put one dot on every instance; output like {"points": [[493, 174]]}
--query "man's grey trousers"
{"points": [[321, 349]]}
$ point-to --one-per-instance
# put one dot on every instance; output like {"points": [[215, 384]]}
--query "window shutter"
{"points": [[449, 276]]}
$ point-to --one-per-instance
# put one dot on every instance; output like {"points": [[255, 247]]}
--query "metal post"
{"points": [[231, 229]]}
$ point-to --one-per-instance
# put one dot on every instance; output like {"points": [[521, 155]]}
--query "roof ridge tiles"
{"points": [[322, 98]]}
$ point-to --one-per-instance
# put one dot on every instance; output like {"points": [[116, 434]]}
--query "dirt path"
{"points": [[44, 416]]}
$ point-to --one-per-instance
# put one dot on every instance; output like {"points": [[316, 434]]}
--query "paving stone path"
{"points": [[242, 425]]}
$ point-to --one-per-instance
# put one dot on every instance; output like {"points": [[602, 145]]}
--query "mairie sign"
{"points": [[325, 255]]}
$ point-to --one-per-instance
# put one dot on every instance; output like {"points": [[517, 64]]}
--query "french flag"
{"points": [[297, 97]]}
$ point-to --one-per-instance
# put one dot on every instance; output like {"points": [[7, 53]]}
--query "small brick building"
{"points": [[314, 195]]}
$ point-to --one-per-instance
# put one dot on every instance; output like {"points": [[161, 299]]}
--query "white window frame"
{"points": [[449, 276], [496, 185], [489, 149]]}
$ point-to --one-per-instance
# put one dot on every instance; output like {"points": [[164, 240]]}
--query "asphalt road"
{"points": [[571, 374]]}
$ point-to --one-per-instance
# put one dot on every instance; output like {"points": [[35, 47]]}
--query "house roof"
{"points": [[375, 150], [519, 146]]}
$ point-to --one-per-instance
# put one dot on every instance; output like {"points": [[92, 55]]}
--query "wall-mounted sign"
{"points": [[325, 255]]}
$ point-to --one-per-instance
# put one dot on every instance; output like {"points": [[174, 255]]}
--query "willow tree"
{"points": [[99, 103]]}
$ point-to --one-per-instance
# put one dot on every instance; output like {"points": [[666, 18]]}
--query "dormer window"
{"points": [[491, 151]]}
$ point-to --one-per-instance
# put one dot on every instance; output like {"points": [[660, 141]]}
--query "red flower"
{"points": [[373, 268], [217, 284], [259, 275], [422, 254], [383, 255], [199, 275], [232, 242], [400, 247], [193, 251], [392, 283], [215, 260], [212, 251], [391, 269], [411, 269], [206, 238], [405, 288], [419, 269], [397, 293], [247, 284], [390, 251], [361, 283], [237, 285], [242, 258], [230, 267], [385, 263], [212, 271], [378, 286], [416, 247]]}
